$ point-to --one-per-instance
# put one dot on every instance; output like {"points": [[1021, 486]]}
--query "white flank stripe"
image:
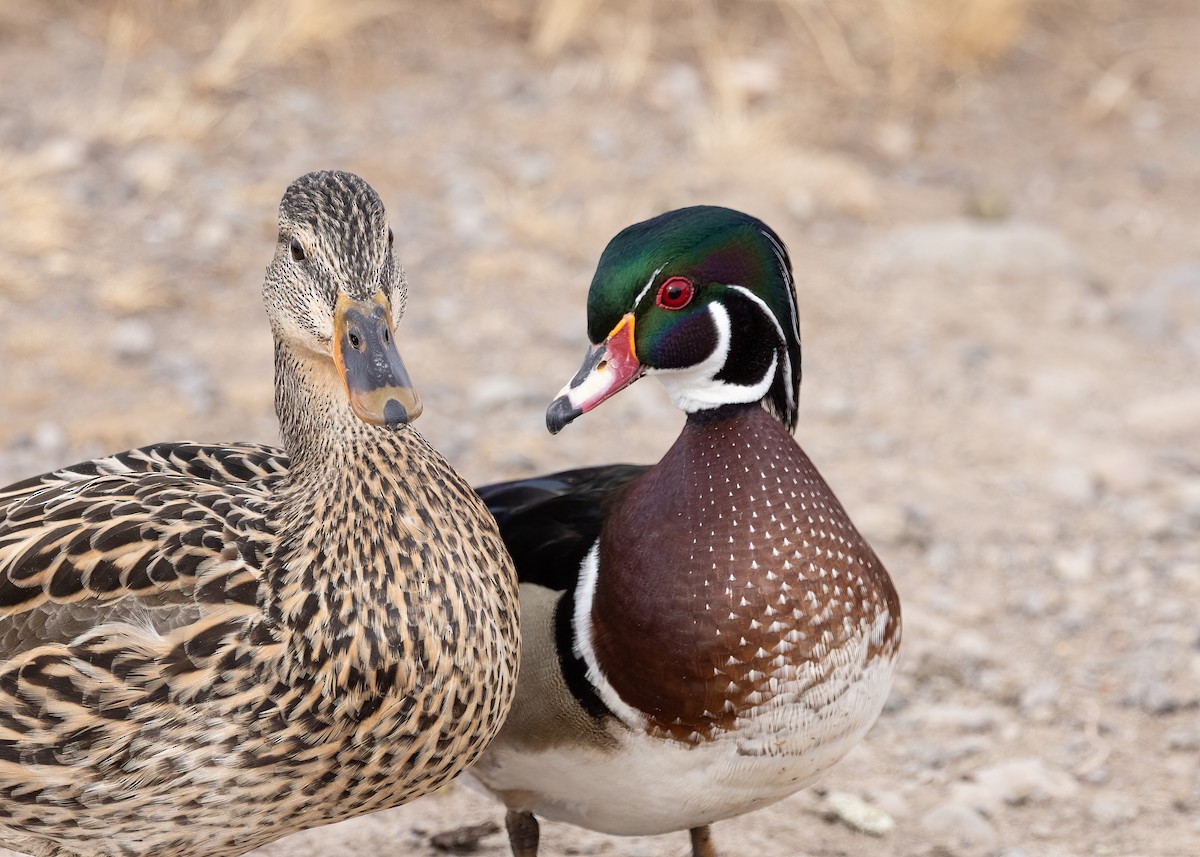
{"points": [[585, 592]]}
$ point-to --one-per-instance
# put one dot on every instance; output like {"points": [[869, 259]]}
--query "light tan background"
{"points": [[992, 207]]}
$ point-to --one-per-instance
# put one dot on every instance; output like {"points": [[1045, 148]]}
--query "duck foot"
{"points": [[702, 843], [522, 833]]}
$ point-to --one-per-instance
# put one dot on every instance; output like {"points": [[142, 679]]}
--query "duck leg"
{"points": [[702, 844], [522, 833]]}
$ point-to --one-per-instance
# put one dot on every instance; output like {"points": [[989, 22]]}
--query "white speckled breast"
{"points": [[736, 595]]}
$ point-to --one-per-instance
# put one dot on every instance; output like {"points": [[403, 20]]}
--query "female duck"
{"points": [[202, 650], [708, 635]]}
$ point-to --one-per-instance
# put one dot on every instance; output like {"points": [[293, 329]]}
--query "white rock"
{"points": [[1077, 564], [132, 339], [859, 815]]}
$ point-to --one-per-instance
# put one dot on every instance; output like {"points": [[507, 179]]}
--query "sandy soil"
{"points": [[999, 279]]}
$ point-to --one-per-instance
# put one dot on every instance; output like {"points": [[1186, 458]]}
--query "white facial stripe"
{"points": [[585, 592], [646, 288], [695, 388], [787, 360]]}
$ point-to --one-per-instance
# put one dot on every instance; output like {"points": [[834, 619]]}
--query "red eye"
{"points": [[675, 293]]}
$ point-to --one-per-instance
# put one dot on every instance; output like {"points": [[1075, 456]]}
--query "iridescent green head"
{"points": [[703, 298]]}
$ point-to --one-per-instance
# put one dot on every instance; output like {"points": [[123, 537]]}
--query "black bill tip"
{"points": [[560, 412], [395, 414]]}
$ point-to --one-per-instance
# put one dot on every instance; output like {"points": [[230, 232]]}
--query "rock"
{"points": [[964, 718], [942, 753], [1165, 417], [1073, 484], [1122, 470], [959, 825], [1042, 696], [49, 438], [132, 339], [966, 248], [1168, 312], [1013, 783], [465, 839], [1185, 739], [1147, 516], [893, 803], [1113, 809], [857, 814], [1152, 689], [1076, 565]]}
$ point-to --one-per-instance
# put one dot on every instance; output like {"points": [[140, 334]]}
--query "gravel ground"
{"points": [[999, 280]]}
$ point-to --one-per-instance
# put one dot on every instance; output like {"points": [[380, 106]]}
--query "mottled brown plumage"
{"points": [[205, 648]]}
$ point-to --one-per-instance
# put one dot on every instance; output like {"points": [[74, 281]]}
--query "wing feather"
{"points": [[549, 523], [144, 537]]}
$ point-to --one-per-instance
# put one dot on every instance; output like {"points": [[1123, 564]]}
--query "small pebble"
{"points": [[1015, 782], [1073, 484], [1167, 416], [1076, 565], [132, 339], [1184, 740], [957, 825], [857, 814], [1113, 809]]}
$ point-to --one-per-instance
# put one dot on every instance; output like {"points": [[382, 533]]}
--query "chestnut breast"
{"points": [[731, 575]]}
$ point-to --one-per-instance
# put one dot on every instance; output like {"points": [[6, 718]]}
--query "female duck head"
{"points": [[702, 298], [334, 293]]}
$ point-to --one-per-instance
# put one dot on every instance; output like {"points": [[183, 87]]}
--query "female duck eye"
{"points": [[675, 293], [297, 250]]}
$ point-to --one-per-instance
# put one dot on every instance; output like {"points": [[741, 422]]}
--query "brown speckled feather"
{"points": [[205, 647]]}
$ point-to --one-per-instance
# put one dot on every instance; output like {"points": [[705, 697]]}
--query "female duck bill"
{"points": [[377, 383]]}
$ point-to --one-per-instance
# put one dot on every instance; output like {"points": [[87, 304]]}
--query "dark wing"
{"points": [[549, 523]]}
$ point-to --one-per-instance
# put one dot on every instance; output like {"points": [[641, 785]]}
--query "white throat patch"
{"points": [[696, 388]]}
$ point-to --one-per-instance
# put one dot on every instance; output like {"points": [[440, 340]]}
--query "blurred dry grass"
{"points": [[889, 57], [904, 44]]}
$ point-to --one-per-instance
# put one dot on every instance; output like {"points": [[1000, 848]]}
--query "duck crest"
{"points": [[786, 603]]}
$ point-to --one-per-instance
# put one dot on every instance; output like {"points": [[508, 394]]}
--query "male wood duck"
{"points": [[706, 636], [206, 647]]}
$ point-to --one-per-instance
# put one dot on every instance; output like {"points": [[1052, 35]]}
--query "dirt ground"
{"points": [[992, 208]]}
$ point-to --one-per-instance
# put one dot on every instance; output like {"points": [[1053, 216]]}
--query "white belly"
{"points": [[646, 785]]}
